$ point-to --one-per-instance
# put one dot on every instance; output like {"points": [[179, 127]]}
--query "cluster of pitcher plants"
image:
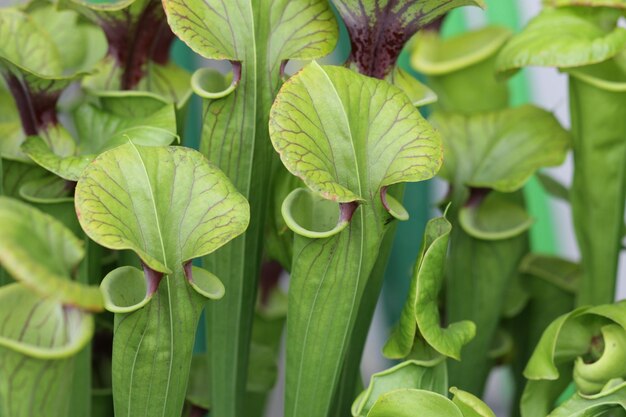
{"points": [[117, 243]]}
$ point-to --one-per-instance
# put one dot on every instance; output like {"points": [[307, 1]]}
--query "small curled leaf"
{"points": [[591, 377], [494, 218], [209, 83], [310, 215], [470, 405], [204, 282], [125, 289]]}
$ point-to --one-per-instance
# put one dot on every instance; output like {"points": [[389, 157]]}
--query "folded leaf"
{"points": [[421, 310], [410, 374]]}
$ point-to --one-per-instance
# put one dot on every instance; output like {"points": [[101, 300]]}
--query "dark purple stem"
{"points": [[23, 104], [270, 275], [188, 271], [477, 195], [37, 111], [197, 411]]}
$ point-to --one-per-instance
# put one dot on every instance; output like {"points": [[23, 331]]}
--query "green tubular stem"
{"points": [[4, 279], [599, 185], [52, 375], [320, 266], [80, 404], [351, 382], [155, 344], [229, 322], [478, 274]]}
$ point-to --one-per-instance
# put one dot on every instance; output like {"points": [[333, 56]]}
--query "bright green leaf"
{"points": [[564, 38], [318, 128]]}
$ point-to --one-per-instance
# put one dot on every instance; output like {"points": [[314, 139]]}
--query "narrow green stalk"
{"points": [[597, 107], [479, 273]]}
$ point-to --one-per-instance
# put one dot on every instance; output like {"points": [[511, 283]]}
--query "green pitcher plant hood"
{"points": [[379, 30], [139, 42], [585, 346], [46, 314], [169, 206], [566, 37], [420, 316], [112, 121], [348, 138], [36, 79]]}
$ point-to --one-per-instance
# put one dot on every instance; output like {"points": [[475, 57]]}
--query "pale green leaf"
{"points": [[39, 251], [461, 69], [80, 45], [100, 129], [25, 45], [347, 136], [48, 189], [564, 38], [500, 149], [37, 343], [420, 316]]}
